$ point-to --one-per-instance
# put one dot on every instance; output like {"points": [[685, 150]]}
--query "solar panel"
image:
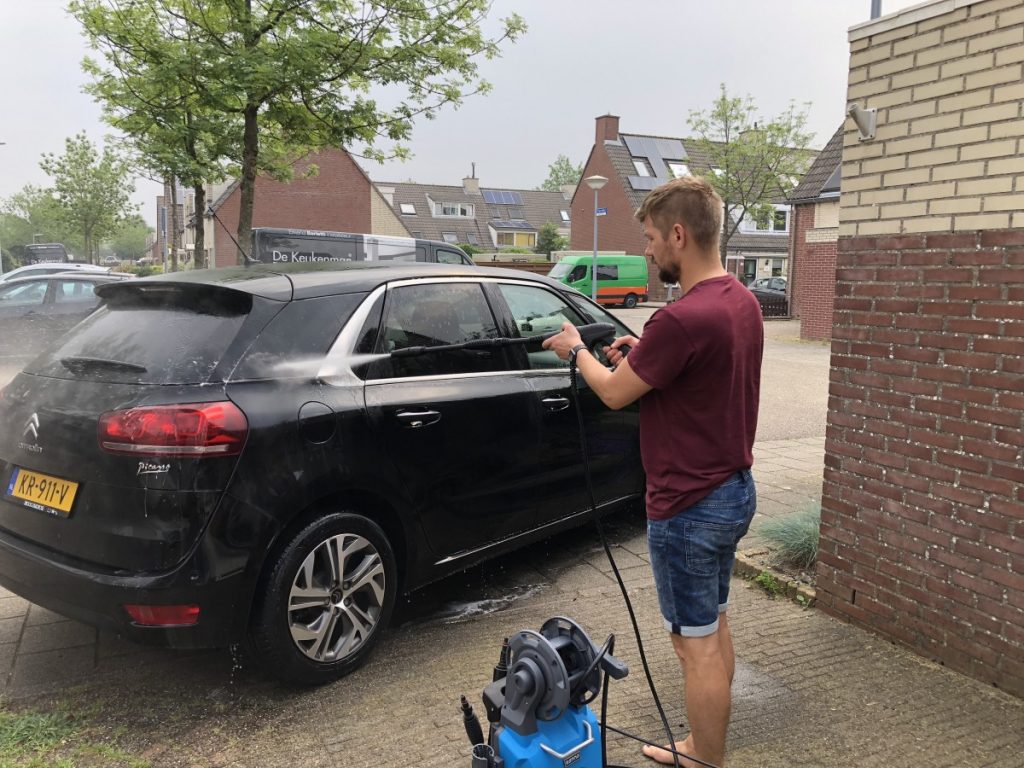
{"points": [[502, 197]]}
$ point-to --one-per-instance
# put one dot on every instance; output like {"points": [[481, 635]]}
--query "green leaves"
{"points": [[201, 85], [92, 189], [561, 173], [754, 161]]}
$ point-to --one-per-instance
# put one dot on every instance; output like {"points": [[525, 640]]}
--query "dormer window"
{"points": [[564, 214], [678, 169], [407, 209], [459, 210], [642, 167]]}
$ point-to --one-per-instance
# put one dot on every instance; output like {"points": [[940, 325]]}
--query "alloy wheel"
{"points": [[336, 598]]}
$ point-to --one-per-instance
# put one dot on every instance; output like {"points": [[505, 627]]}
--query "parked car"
{"points": [[771, 295], [777, 284], [36, 310], [111, 261], [144, 261], [50, 268], [238, 454]]}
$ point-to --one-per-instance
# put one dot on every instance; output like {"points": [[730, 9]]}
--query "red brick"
{"points": [[895, 305], [936, 373], [955, 527], [958, 494], [1002, 381], [915, 387], [982, 554], [988, 275], [944, 341], [993, 416], [1002, 310], [924, 259], [974, 292], [1011, 544], [921, 292], [1002, 237], [962, 461], [951, 241], [1010, 472], [948, 275], [932, 470], [916, 354], [967, 395], [847, 244], [992, 450], [919, 323], [977, 258], [966, 428], [944, 407], [986, 484], [998, 346], [901, 242]]}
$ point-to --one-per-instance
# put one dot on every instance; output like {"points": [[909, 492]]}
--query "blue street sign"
{"points": [[602, 212]]}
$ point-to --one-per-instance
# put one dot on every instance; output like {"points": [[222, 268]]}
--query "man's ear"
{"points": [[679, 235]]}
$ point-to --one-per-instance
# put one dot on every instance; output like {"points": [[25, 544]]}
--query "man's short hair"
{"points": [[690, 201]]}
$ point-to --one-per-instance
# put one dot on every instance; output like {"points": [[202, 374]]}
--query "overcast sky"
{"points": [[649, 61]]}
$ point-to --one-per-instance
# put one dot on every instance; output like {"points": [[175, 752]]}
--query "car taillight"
{"points": [[188, 430], [164, 615]]}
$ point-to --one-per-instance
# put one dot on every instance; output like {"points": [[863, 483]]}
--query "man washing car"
{"points": [[696, 372]]}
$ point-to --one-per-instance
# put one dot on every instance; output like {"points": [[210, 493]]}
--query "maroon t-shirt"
{"points": [[702, 356]]}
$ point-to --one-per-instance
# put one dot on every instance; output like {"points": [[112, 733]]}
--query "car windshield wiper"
{"points": [[83, 364]]}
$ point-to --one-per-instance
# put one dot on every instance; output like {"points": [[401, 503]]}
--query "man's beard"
{"points": [[668, 273]]}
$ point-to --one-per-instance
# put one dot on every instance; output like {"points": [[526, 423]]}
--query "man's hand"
{"points": [[562, 342], [614, 354]]}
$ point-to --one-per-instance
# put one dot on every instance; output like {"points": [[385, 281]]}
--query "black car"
{"points": [[35, 310], [771, 295], [236, 453]]}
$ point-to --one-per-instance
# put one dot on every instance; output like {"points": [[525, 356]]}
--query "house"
{"points": [[491, 218], [338, 197], [634, 164], [814, 235]]}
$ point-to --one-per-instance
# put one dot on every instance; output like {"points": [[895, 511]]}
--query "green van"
{"points": [[620, 279]]}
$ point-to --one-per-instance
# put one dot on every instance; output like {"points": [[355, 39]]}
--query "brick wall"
{"points": [[337, 198], [813, 276], [922, 535]]}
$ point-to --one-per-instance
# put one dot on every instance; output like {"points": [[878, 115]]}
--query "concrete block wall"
{"points": [[922, 536]]}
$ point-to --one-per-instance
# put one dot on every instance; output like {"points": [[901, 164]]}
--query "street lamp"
{"points": [[595, 183]]}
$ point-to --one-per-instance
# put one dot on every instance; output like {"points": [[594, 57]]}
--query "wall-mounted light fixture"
{"points": [[865, 120]]}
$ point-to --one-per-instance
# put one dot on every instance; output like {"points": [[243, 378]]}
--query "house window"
{"points": [[408, 209], [461, 210], [677, 169], [778, 222], [517, 239], [450, 237], [642, 167], [471, 238], [515, 212], [776, 269], [564, 215]]}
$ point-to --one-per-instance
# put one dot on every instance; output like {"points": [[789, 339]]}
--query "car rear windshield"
{"points": [[174, 335]]}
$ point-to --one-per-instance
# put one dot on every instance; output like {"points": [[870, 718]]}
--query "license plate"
{"points": [[43, 492]]}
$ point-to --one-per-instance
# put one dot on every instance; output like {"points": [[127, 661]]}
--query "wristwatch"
{"points": [[575, 351]]}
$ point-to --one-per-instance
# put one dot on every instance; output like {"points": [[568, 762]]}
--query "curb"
{"points": [[747, 568]]}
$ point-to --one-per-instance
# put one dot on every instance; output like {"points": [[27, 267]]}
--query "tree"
{"points": [[153, 95], [549, 240], [296, 76], [753, 162], [560, 173], [129, 241], [92, 189], [34, 215]]}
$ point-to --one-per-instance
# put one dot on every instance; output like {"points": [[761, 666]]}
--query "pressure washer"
{"points": [[537, 702]]}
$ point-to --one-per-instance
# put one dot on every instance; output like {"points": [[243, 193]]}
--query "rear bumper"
{"points": [[98, 598]]}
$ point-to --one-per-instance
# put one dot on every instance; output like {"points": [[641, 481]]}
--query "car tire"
{"points": [[315, 621], [630, 301]]}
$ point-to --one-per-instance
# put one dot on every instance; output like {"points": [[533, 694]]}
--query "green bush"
{"points": [[794, 537]]}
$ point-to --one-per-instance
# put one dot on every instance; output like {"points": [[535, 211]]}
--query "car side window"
{"points": [[24, 294], [74, 290], [539, 311], [436, 315]]}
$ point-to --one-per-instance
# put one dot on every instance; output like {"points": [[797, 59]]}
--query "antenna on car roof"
{"points": [[248, 259]]}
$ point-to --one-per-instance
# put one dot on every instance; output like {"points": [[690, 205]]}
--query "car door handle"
{"points": [[555, 403], [414, 419]]}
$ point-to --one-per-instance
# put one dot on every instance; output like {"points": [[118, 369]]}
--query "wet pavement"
{"points": [[809, 690]]}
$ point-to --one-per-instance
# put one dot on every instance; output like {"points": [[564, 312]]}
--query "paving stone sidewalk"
{"points": [[809, 690]]}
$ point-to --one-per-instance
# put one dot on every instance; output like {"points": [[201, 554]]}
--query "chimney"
{"points": [[607, 128], [471, 184]]}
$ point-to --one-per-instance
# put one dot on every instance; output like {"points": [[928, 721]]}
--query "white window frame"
{"points": [[452, 238], [749, 225], [454, 210], [564, 214], [407, 209]]}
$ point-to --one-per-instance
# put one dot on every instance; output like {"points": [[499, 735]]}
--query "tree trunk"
{"points": [[174, 224], [199, 254], [250, 154]]}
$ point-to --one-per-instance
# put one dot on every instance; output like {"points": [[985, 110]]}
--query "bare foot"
{"points": [[663, 756]]}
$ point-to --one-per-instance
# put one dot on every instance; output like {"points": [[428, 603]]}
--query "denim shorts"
{"points": [[692, 555]]}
